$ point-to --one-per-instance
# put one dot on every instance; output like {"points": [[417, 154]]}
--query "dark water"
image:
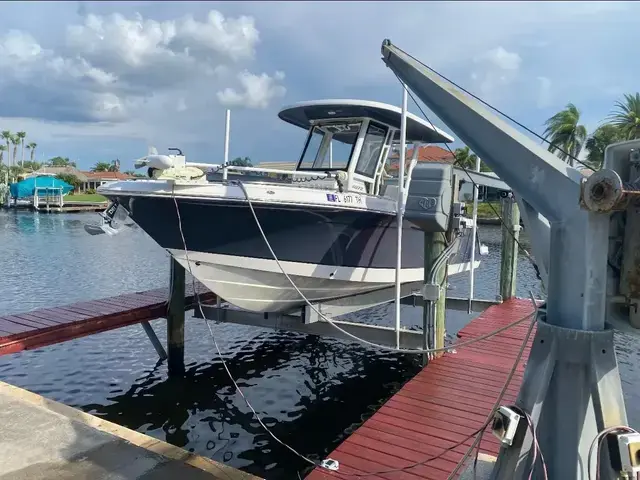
{"points": [[311, 392]]}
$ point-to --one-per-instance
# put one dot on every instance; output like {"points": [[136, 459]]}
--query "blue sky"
{"points": [[98, 80]]}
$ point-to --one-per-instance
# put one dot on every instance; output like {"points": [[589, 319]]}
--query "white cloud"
{"points": [[500, 58], [496, 68], [544, 92], [115, 68], [257, 90], [167, 73]]}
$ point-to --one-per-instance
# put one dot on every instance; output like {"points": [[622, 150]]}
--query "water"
{"points": [[312, 392]]}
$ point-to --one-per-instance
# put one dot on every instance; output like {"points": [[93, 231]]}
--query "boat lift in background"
{"points": [[571, 388]]}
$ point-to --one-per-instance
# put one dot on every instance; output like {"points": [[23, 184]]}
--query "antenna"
{"points": [[227, 128]]}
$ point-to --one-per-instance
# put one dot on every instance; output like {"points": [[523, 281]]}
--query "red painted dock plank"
{"points": [[443, 404], [47, 326]]}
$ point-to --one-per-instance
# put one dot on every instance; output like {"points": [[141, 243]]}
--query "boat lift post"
{"points": [[474, 235], [400, 204], [571, 387]]}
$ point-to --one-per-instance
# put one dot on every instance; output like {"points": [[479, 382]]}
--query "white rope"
{"points": [[502, 392], [237, 387], [479, 432], [348, 334], [224, 364]]}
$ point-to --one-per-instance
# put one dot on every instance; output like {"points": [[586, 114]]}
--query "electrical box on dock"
{"points": [[430, 195]]}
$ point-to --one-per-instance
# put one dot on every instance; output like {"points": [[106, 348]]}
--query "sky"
{"points": [[95, 81]]}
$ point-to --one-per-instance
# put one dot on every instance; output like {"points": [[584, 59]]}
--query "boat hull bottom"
{"points": [[258, 285]]}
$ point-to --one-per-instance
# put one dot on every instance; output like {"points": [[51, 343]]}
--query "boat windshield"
{"points": [[329, 147]]}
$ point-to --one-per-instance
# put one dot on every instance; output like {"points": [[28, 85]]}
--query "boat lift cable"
{"points": [[480, 431], [496, 404], [420, 351], [219, 352], [465, 170], [498, 111], [327, 464]]}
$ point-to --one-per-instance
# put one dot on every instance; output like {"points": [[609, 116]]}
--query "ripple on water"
{"points": [[312, 392]]}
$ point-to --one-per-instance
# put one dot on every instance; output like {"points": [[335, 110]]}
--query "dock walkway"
{"points": [[42, 439], [47, 326], [444, 403]]}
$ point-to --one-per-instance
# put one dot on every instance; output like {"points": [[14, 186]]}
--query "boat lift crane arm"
{"points": [[548, 189], [571, 387]]}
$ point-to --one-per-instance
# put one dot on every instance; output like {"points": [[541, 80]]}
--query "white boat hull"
{"points": [[259, 285]]}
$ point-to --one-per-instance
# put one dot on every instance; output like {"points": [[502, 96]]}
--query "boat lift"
{"points": [[571, 387]]}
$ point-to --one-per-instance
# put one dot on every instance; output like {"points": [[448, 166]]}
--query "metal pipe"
{"points": [[227, 128], [401, 160], [331, 154], [474, 233]]}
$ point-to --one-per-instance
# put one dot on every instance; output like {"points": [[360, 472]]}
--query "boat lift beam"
{"points": [[571, 387], [314, 325]]}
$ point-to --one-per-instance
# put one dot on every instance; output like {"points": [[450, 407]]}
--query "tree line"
{"points": [[15, 140], [567, 137]]}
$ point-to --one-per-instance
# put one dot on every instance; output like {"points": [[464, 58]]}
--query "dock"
{"points": [[441, 406], [48, 326], [72, 207], [44, 439]]}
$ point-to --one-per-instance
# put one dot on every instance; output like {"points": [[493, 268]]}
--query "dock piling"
{"points": [[434, 245], [509, 254], [175, 320]]}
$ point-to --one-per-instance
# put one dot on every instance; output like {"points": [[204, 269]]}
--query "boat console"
{"points": [[354, 137]]}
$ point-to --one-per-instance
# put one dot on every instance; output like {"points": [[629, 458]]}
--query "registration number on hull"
{"points": [[346, 198]]}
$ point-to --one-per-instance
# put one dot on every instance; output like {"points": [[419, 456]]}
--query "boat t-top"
{"points": [[331, 222]]}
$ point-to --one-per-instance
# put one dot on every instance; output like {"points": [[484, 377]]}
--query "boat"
{"points": [[331, 222]]}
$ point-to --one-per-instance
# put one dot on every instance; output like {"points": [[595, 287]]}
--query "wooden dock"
{"points": [[72, 207], [47, 326], [444, 403]]}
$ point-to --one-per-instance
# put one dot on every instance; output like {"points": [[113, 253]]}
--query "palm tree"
{"points": [[115, 166], [2, 150], [21, 136], [465, 158], [604, 135], [627, 117], [32, 146], [241, 162], [7, 136], [15, 140], [101, 167], [565, 134]]}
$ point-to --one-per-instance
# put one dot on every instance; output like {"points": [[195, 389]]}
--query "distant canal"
{"points": [[311, 391]]}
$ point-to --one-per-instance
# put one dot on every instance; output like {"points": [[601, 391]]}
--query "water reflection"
{"points": [[307, 391]]}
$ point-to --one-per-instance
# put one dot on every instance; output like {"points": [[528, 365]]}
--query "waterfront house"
{"points": [[88, 180]]}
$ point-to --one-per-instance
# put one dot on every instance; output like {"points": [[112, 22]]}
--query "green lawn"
{"points": [[85, 197], [484, 209]]}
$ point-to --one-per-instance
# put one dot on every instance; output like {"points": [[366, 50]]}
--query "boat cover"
{"points": [[26, 187]]}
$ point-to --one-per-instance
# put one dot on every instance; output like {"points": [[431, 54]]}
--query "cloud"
{"points": [[501, 59], [495, 69], [544, 92], [257, 90], [102, 76], [115, 68]]}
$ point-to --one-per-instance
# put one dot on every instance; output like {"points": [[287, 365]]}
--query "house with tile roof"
{"points": [[426, 153], [88, 180]]}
